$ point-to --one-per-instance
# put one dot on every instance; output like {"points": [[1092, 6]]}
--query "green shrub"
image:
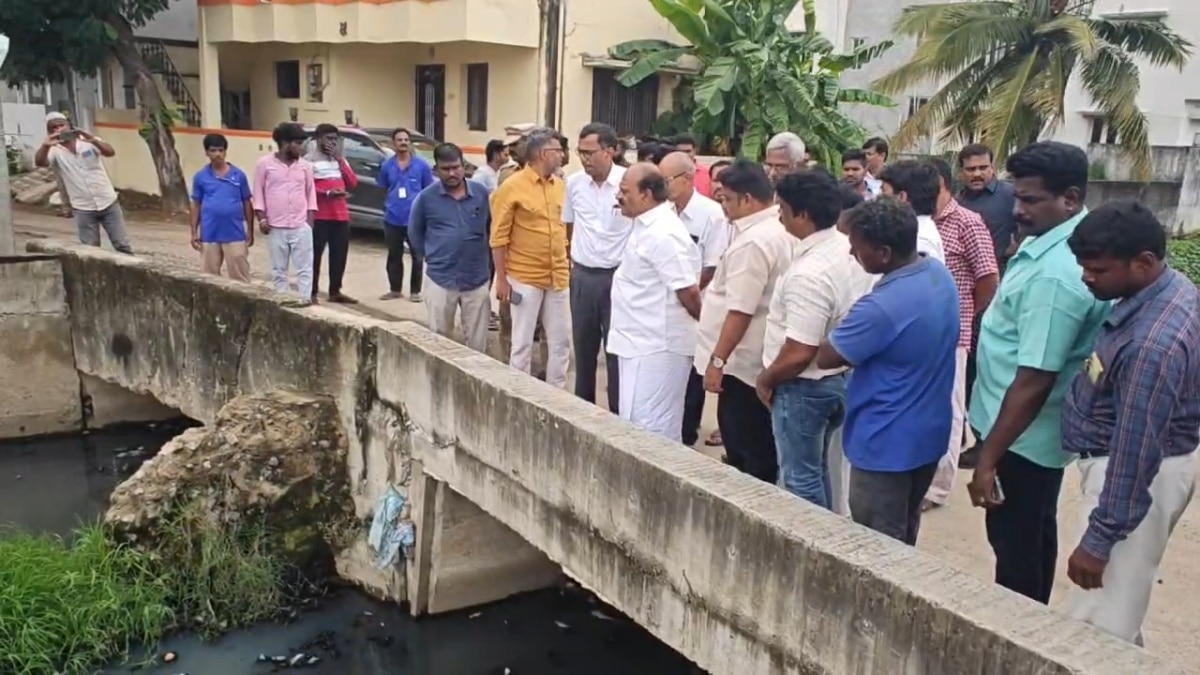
{"points": [[1184, 255], [71, 606]]}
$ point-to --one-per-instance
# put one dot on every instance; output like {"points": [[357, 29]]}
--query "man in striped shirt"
{"points": [[1132, 416]]}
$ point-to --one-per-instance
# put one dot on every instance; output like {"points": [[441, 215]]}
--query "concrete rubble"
{"points": [[35, 187], [275, 458]]}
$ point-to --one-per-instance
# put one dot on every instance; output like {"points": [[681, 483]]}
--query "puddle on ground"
{"points": [[52, 484]]}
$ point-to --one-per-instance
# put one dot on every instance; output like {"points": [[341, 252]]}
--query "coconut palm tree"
{"points": [[757, 77], [1005, 66]]}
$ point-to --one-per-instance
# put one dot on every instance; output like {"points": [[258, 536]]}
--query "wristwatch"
{"points": [[717, 362]]}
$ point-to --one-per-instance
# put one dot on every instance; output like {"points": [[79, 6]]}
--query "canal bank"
{"points": [[51, 485]]}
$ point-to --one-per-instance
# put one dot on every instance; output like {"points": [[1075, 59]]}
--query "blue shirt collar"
{"points": [[1126, 308], [910, 269], [441, 188]]}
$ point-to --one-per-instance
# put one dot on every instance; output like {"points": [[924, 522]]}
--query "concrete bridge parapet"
{"points": [[505, 474]]}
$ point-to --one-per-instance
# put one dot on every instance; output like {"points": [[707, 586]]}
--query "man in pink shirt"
{"points": [[285, 204], [703, 181]]}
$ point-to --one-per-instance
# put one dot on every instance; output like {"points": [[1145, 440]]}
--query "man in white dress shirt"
{"points": [[655, 305], [596, 232], [705, 222], [918, 185], [807, 403]]}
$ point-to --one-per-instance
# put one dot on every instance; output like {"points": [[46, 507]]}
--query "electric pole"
{"points": [[8, 242]]}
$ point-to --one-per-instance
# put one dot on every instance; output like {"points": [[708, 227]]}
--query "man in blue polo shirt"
{"points": [[450, 227], [900, 339], [402, 178], [222, 215]]}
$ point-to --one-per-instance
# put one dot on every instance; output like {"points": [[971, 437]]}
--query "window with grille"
{"points": [[630, 110]]}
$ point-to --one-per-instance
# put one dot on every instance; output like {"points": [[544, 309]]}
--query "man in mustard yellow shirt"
{"points": [[529, 246]]}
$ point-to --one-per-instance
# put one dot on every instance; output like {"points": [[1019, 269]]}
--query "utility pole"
{"points": [[8, 242]]}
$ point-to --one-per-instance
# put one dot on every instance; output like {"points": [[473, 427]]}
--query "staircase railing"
{"points": [[160, 63]]}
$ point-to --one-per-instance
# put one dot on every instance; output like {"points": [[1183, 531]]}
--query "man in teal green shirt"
{"points": [[1034, 337]]}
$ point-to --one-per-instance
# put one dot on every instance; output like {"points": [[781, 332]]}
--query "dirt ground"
{"points": [[954, 533]]}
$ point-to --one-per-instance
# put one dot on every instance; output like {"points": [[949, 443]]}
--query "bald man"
{"points": [[706, 223], [655, 305]]}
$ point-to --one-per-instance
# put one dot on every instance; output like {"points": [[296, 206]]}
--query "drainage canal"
{"points": [[49, 486]]}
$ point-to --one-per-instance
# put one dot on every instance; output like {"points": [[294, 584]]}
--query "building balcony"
{"points": [[501, 22]]}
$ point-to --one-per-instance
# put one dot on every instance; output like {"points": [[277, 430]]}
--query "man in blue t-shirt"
{"points": [[900, 340], [222, 215], [402, 178]]}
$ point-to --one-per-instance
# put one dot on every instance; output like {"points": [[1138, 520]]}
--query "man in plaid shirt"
{"points": [[971, 259], [1132, 416]]}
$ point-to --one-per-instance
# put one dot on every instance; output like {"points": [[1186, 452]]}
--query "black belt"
{"points": [[1093, 454], [587, 268]]}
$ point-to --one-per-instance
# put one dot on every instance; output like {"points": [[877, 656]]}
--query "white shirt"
{"points": [[83, 175], [705, 222], [659, 259], [598, 231], [813, 296], [760, 251], [929, 241], [487, 177]]}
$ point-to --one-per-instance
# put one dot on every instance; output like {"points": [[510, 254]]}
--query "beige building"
{"points": [[458, 70]]}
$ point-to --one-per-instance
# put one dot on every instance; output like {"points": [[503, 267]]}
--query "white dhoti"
{"points": [[652, 392]]}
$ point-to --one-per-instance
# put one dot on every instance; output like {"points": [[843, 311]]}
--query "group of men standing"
{"points": [[809, 305]]}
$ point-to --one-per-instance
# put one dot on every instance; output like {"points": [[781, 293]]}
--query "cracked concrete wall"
{"points": [[735, 574], [41, 389]]}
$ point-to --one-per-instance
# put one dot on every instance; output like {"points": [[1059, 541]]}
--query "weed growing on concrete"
{"points": [[67, 607], [222, 576], [70, 606]]}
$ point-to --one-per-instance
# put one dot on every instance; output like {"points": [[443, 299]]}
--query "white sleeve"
{"points": [[929, 242], [713, 241], [568, 210]]}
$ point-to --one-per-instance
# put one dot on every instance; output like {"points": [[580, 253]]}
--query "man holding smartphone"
{"points": [[76, 157], [333, 179]]}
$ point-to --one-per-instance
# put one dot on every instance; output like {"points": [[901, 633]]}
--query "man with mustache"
{"points": [[1033, 339]]}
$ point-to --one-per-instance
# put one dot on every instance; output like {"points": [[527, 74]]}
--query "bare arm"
{"points": [[690, 299]]}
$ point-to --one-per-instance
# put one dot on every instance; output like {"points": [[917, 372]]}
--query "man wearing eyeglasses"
{"points": [[596, 233], [529, 247]]}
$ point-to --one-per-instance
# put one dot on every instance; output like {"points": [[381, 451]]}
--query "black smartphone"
{"points": [[68, 135]]}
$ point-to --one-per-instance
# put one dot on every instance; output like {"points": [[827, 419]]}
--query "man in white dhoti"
{"points": [[655, 305]]}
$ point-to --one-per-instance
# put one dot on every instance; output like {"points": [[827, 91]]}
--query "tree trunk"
{"points": [[156, 125]]}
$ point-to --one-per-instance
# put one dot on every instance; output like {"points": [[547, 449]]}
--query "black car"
{"points": [[421, 144]]}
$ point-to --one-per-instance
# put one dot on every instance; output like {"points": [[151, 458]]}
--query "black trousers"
{"points": [[395, 237], [1023, 531], [591, 308], [334, 234], [890, 502], [693, 408], [745, 425]]}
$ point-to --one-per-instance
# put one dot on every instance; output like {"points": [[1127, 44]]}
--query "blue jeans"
{"points": [[804, 415]]}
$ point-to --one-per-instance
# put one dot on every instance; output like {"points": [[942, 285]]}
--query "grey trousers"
{"points": [[890, 503], [591, 293], [111, 218]]}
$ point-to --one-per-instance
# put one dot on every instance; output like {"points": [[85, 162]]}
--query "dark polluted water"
{"points": [[52, 484]]}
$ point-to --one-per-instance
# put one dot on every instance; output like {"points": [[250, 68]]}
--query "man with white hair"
{"points": [[76, 156], [786, 155]]}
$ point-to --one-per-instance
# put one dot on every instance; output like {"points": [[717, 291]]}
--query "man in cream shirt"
{"points": [[597, 232], [808, 403], [655, 304], [705, 222], [733, 321]]}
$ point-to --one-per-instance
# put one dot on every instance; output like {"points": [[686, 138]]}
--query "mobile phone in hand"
{"points": [[68, 135], [516, 298], [997, 490]]}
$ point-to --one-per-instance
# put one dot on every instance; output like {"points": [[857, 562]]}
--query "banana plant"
{"points": [[756, 76]]}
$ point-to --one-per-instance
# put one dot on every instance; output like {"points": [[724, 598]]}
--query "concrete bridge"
{"points": [[512, 481]]}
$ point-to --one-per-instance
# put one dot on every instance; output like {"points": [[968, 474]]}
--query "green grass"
{"points": [[1184, 255], [71, 606]]}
